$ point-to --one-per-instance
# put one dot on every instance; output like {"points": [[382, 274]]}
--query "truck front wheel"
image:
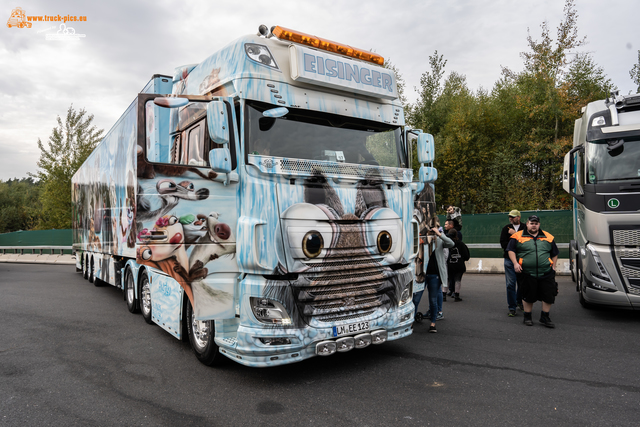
{"points": [[201, 336], [580, 281], [130, 292]]}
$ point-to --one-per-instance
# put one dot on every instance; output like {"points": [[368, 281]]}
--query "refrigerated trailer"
{"points": [[260, 202], [602, 173]]}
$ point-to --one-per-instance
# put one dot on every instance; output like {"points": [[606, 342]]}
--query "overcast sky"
{"points": [[126, 42]]}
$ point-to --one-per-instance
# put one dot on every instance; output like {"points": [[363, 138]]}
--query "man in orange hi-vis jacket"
{"points": [[535, 253]]}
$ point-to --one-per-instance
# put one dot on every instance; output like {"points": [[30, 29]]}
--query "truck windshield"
{"points": [[620, 164], [311, 135]]}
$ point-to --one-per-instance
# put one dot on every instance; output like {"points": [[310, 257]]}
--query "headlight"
{"points": [[269, 311], [384, 242], [407, 294], [260, 54], [312, 244], [603, 273]]}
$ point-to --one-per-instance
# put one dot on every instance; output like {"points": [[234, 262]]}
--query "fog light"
{"points": [[379, 336], [362, 340], [345, 344], [325, 348]]}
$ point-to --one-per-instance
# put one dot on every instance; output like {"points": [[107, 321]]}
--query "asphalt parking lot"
{"points": [[71, 354]]}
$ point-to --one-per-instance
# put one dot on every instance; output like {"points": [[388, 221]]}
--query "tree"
{"points": [[68, 147], [423, 115], [634, 73], [400, 83], [546, 97], [19, 205]]}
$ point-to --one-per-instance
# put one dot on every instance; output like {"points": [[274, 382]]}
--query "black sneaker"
{"points": [[444, 297], [528, 322], [433, 329], [457, 299], [512, 313], [546, 321]]}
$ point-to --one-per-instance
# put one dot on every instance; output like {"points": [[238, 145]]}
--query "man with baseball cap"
{"points": [[534, 253], [514, 299]]}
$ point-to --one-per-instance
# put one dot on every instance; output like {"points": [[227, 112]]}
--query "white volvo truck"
{"points": [[602, 173]]}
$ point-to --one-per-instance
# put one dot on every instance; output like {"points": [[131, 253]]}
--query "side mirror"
{"points": [[428, 174], [218, 122], [426, 148], [220, 159], [566, 174]]}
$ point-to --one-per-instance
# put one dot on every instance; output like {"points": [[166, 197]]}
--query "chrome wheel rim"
{"points": [[129, 289], [146, 297], [200, 331]]}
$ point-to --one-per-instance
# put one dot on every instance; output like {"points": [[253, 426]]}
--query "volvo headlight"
{"points": [[269, 311], [602, 273]]}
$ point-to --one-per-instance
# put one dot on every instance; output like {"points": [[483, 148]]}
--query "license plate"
{"points": [[352, 328]]}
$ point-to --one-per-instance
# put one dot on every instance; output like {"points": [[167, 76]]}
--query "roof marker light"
{"points": [[324, 44]]}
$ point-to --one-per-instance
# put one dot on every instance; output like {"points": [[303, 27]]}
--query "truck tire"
{"points": [[91, 277], [145, 298], [85, 267], [201, 336], [580, 281], [573, 263], [130, 292]]}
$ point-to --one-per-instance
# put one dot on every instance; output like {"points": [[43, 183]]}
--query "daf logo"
{"points": [[613, 203]]}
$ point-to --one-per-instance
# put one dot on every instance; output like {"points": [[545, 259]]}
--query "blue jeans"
{"points": [[432, 284], [512, 285]]}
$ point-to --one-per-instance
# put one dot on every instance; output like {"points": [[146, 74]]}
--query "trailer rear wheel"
{"points": [[85, 267], [201, 336], [91, 270], [130, 291], [145, 298]]}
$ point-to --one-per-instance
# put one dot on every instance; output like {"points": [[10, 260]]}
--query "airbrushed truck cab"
{"points": [[274, 202]]}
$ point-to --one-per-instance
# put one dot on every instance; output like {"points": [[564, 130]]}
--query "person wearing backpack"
{"points": [[458, 254]]}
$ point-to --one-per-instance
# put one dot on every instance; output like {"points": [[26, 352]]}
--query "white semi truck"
{"points": [[602, 173]]}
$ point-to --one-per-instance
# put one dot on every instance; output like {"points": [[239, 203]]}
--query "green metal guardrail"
{"points": [[43, 241], [478, 231], [486, 228]]}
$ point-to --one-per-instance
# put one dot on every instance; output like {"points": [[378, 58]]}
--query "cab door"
{"points": [[186, 213]]}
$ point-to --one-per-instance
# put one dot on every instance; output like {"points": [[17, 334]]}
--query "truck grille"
{"points": [[346, 289], [340, 289], [626, 237], [629, 263]]}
